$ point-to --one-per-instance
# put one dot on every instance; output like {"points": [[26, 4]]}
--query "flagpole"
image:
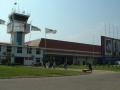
{"points": [[47, 30], [45, 39], [113, 31], [93, 46], [45, 47], [109, 30], [117, 31]]}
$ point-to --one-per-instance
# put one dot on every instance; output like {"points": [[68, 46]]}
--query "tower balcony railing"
{"points": [[22, 28]]}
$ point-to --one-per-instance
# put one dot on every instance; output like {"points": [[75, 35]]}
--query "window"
{"points": [[28, 58], [19, 50], [37, 51], [29, 50], [38, 60], [19, 38], [9, 49], [0, 47]]}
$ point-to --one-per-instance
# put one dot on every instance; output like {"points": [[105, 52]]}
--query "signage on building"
{"points": [[110, 46]]}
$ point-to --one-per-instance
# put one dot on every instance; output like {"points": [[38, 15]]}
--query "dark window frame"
{"points": [[37, 50], [9, 48], [29, 50], [19, 38], [0, 48], [19, 49]]}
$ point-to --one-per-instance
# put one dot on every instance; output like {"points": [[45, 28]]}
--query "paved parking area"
{"points": [[94, 81]]}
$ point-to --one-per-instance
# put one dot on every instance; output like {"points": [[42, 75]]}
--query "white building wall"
{"points": [[24, 54], [3, 52]]}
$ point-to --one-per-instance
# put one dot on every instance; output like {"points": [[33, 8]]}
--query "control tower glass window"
{"points": [[19, 49], [19, 38]]}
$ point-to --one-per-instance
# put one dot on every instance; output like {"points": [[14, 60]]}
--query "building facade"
{"points": [[22, 55], [17, 52], [63, 51], [42, 51]]}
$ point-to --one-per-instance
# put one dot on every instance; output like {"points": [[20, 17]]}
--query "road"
{"points": [[95, 81]]}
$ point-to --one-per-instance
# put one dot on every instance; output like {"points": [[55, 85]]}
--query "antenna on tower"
{"points": [[109, 30], [117, 30], [16, 6], [105, 30], [113, 31]]}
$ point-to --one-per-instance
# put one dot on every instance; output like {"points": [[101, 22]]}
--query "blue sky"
{"points": [[75, 20]]}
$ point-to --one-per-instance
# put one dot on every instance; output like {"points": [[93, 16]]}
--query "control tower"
{"points": [[18, 27]]}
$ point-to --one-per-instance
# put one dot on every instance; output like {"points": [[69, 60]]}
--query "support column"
{"points": [[74, 60], [66, 60], [12, 60], [41, 56]]}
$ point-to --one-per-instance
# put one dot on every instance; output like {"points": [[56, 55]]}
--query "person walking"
{"points": [[90, 67]]}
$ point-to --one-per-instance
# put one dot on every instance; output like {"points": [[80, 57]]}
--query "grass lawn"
{"points": [[23, 71]]}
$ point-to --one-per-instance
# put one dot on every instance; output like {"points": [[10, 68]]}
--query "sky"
{"points": [[82, 21]]}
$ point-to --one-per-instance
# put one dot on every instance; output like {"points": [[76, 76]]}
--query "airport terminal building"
{"points": [[41, 51]]}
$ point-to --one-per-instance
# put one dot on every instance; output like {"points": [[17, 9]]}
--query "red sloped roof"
{"points": [[57, 44]]}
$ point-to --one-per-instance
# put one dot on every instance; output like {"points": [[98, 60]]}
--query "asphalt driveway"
{"points": [[95, 81]]}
